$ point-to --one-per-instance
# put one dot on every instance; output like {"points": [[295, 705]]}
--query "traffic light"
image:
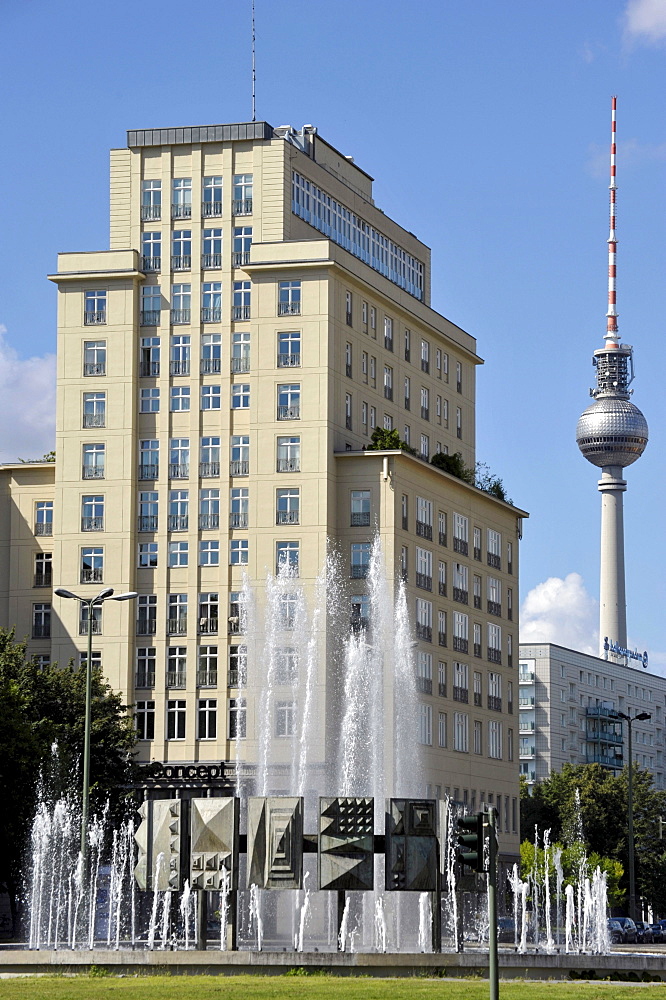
{"points": [[469, 835]]}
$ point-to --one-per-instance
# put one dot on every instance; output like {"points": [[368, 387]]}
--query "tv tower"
{"points": [[612, 433]]}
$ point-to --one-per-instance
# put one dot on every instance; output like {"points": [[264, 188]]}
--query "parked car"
{"points": [[615, 932], [629, 929], [658, 933], [644, 932]]}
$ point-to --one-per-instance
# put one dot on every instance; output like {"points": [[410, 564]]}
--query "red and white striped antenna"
{"points": [[612, 336]]}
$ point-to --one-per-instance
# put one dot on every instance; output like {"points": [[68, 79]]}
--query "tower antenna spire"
{"points": [[254, 70], [612, 336]]}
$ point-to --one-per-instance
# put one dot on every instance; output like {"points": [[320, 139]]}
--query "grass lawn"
{"points": [[287, 987]]}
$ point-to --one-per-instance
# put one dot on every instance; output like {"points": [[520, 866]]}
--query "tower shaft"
{"points": [[612, 598]]}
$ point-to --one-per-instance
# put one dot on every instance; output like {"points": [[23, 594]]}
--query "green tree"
{"points": [[385, 440], [480, 476], [454, 465], [48, 457], [43, 706]]}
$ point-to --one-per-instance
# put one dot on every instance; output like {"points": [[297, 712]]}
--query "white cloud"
{"points": [[561, 611], [27, 403], [645, 21]]}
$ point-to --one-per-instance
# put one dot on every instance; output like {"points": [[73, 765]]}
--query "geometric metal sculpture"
{"points": [[346, 843], [275, 842], [159, 833], [411, 845], [214, 843]]}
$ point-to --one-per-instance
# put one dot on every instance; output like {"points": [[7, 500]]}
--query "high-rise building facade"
{"points": [[221, 369]]}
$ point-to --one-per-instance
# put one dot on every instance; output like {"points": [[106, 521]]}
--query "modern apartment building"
{"points": [[568, 712], [221, 369]]}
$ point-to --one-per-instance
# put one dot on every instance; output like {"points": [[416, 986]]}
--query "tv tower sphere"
{"points": [[612, 431]]}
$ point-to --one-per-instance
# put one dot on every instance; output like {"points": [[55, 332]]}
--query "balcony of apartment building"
{"points": [[460, 645], [494, 608], [526, 677], [176, 679], [209, 470], [146, 626], [208, 626], [177, 625], [181, 367], [43, 579], [144, 679], [424, 530], [461, 546], [240, 365], [207, 678], [151, 264], [461, 694], [209, 522], [527, 750], [526, 701], [604, 737], [460, 595], [494, 703], [239, 258], [96, 626], [424, 632], [423, 582]]}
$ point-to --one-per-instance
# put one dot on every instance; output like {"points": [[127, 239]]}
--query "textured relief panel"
{"points": [[346, 843], [275, 842], [158, 839], [214, 840], [411, 845]]}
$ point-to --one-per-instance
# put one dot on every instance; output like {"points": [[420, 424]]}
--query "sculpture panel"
{"points": [[214, 843], [275, 842], [411, 845], [346, 843]]}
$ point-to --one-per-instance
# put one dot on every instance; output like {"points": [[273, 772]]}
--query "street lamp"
{"points": [[104, 595], [641, 717]]}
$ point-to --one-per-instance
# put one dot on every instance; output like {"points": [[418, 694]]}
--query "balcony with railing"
{"points": [[179, 367], [151, 213], [614, 761], [181, 211], [94, 317], [442, 538], [92, 524], [146, 626], [360, 519], [240, 312], [208, 626], [288, 465], [144, 679], [240, 257], [96, 627], [211, 314], [359, 571], [425, 366], [209, 470], [477, 553], [147, 522], [211, 261], [94, 419], [477, 602], [477, 650], [494, 608], [348, 369], [41, 630], [288, 360], [150, 317], [236, 677], [94, 368], [424, 685], [388, 392], [211, 209], [526, 727], [181, 317], [407, 403], [149, 368], [494, 703], [528, 702], [460, 645], [289, 412], [424, 632], [44, 527], [207, 678], [176, 678], [405, 523], [91, 575], [424, 530], [494, 655], [348, 421], [43, 579], [210, 366], [493, 560], [240, 365], [526, 677], [441, 638], [441, 690], [209, 522], [423, 581], [151, 263], [289, 308], [148, 470], [461, 694], [241, 206], [287, 516], [478, 699], [178, 522], [235, 625], [179, 470], [528, 750], [177, 626], [239, 467], [425, 413], [461, 546], [238, 519], [442, 589], [460, 595]]}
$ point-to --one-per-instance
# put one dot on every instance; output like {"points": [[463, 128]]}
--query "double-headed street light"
{"points": [[93, 602], [641, 717]]}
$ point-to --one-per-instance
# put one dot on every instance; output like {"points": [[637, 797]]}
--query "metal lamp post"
{"points": [[641, 717], [91, 603]]}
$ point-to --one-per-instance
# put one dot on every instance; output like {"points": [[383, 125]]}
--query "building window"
{"points": [[240, 352], [177, 614], [241, 300], [288, 401], [144, 720], [149, 356], [495, 740], [209, 553], [460, 632], [241, 246], [146, 622], [425, 446], [460, 534], [94, 357], [494, 548], [458, 377], [179, 458], [348, 411], [364, 316], [348, 360], [408, 344], [239, 505], [289, 349], [151, 308], [44, 517], [460, 583], [425, 356], [211, 398], [180, 355], [149, 400], [288, 502], [238, 552], [211, 203], [373, 321], [286, 558], [423, 568], [180, 398], [441, 740], [288, 609], [211, 354], [181, 198], [151, 200], [424, 619], [424, 672], [176, 666], [241, 203], [424, 518], [207, 667], [145, 667], [461, 732], [92, 565], [458, 422], [348, 308], [93, 461], [425, 725], [240, 397], [284, 718], [360, 508], [181, 304], [388, 333], [240, 455], [478, 737], [360, 612], [43, 569], [147, 555], [289, 454], [509, 745], [41, 620], [208, 613], [360, 560], [237, 719], [178, 554], [148, 509], [175, 720], [94, 307], [442, 527], [94, 409], [209, 509], [207, 719], [211, 302], [289, 298], [181, 250], [364, 417]]}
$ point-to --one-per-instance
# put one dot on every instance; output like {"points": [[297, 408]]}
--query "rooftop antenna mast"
{"points": [[611, 335], [254, 71]]}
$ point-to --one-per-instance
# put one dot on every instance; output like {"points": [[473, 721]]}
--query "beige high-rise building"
{"points": [[221, 369]]}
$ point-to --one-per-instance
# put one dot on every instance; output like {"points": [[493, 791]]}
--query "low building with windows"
{"points": [[568, 705], [221, 370]]}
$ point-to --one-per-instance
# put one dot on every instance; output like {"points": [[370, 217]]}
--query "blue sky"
{"points": [[486, 126]]}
